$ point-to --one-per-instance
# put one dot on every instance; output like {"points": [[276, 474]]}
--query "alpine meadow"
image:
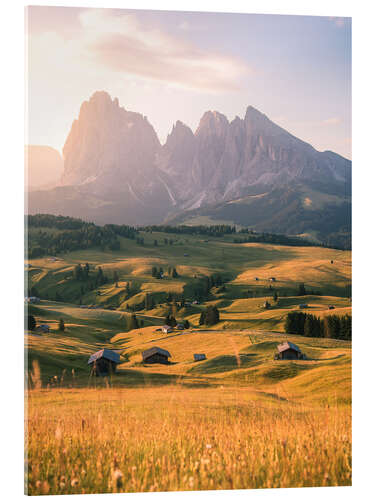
{"points": [[188, 303]]}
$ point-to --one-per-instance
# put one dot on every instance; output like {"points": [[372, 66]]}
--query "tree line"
{"points": [[276, 239], [331, 326], [209, 316], [72, 234], [215, 230]]}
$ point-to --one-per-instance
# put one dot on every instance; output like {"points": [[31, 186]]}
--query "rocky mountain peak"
{"points": [[212, 123], [112, 153], [106, 143], [180, 132]]}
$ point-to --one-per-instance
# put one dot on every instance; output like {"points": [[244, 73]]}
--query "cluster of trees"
{"points": [[123, 230], [149, 302], [216, 230], [170, 320], [331, 326], [302, 291], [31, 322], [56, 221], [210, 316], [201, 287], [133, 323], [82, 273], [70, 234], [276, 239], [159, 272]]}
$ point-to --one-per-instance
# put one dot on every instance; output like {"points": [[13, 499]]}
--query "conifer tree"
{"points": [[115, 278], [133, 322], [202, 318], [31, 323]]}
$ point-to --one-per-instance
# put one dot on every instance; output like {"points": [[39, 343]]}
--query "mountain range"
{"points": [[44, 167], [248, 171]]}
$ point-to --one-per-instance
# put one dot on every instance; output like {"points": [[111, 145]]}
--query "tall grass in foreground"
{"points": [[174, 438]]}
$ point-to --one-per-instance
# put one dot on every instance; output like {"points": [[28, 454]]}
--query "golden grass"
{"points": [[237, 420], [305, 264], [127, 440]]}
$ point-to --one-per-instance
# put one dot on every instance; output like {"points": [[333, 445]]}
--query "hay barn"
{"points": [[199, 357], [156, 355], [104, 362], [288, 350]]}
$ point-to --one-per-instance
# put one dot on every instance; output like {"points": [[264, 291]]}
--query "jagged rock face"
{"points": [[107, 145], [116, 169], [110, 152], [227, 159]]}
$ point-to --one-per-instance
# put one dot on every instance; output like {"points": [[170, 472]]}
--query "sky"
{"points": [[173, 66]]}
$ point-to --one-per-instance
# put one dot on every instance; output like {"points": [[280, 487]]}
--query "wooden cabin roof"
{"points": [[288, 345], [106, 354], [199, 356], [153, 350]]}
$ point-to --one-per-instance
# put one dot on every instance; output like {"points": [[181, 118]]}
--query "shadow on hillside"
{"points": [[272, 396], [224, 363], [139, 378]]}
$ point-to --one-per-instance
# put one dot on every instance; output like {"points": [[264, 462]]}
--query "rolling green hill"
{"points": [[239, 348], [235, 411]]}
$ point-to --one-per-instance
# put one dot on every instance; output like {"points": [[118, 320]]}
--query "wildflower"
{"points": [[117, 476], [45, 487], [208, 446], [58, 433], [191, 481], [74, 482]]}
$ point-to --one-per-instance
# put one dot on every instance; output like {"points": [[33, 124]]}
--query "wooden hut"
{"points": [[104, 362], [288, 350], [156, 355], [199, 357], [43, 328]]}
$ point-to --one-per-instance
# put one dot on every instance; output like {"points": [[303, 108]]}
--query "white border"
{"points": [[12, 114]]}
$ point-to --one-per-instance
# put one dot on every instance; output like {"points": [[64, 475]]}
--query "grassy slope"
{"points": [[190, 425], [239, 264], [227, 348]]}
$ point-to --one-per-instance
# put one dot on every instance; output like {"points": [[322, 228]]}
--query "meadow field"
{"points": [[239, 419]]}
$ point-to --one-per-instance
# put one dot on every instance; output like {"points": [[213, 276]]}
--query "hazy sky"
{"points": [[174, 66]]}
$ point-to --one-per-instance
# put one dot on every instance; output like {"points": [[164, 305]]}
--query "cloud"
{"points": [[122, 44], [331, 121]]}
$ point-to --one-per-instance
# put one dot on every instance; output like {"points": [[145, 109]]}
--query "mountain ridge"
{"points": [[114, 157]]}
